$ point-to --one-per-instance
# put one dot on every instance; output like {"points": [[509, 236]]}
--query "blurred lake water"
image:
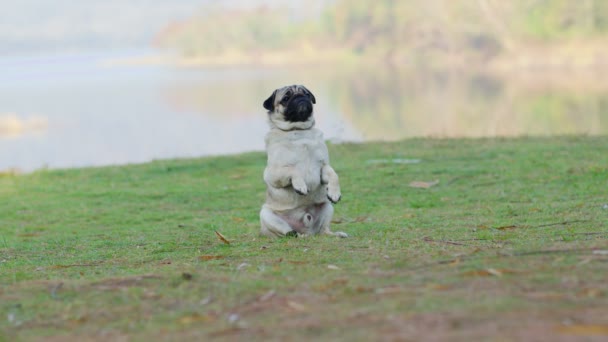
{"points": [[88, 110]]}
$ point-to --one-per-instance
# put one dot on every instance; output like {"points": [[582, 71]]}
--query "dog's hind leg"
{"points": [[273, 225], [326, 212]]}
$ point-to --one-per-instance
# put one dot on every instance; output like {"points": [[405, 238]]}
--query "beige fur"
{"points": [[300, 182]]}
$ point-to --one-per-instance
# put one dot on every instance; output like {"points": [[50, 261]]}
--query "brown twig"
{"points": [[563, 223], [76, 265], [503, 255], [591, 233], [428, 239]]}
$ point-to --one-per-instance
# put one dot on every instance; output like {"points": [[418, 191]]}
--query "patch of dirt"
{"points": [[124, 282], [101, 336], [542, 325], [304, 315]]}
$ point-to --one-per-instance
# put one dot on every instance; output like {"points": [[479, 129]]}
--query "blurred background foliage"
{"points": [[399, 68], [431, 32]]}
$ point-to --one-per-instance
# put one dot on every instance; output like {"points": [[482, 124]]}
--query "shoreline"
{"points": [[16, 171], [567, 56]]}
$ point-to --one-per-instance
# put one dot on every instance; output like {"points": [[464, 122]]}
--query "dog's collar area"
{"points": [[292, 126]]}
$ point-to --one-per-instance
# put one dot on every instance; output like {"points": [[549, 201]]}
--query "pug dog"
{"points": [[300, 184]]}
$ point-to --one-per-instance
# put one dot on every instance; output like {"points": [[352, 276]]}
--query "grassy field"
{"points": [[510, 244]]}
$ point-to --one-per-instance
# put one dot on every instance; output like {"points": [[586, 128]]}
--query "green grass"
{"points": [[508, 244]]}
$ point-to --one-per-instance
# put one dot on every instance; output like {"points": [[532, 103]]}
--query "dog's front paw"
{"points": [[299, 186], [333, 194], [341, 234]]}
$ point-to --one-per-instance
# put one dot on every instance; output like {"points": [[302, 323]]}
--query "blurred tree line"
{"points": [[395, 29]]}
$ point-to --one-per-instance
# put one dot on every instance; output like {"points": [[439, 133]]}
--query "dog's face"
{"points": [[291, 107]]}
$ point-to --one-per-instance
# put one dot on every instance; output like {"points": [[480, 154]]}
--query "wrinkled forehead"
{"points": [[294, 89]]}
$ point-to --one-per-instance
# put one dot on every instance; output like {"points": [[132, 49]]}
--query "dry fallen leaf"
{"points": [[584, 261], [297, 262], [206, 300], [266, 296], [59, 266], [237, 176], [590, 292], [194, 318], [438, 287], [222, 237], [494, 272], [423, 184], [336, 283], [584, 329], [210, 257], [454, 262], [507, 227], [364, 289], [72, 265], [28, 235], [549, 296], [489, 272], [242, 266], [79, 320], [361, 219], [355, 220], [483, 273], [389, 289], [296, 306]]}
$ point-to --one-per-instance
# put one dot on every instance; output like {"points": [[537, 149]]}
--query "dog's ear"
{"points": [[269, 103], [312, 97]]}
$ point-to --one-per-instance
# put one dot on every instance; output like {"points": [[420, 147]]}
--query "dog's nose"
{"points": [[304, 107], [298, 109], [302, 104]]}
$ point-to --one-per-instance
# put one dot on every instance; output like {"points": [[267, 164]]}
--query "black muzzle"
{"points": [[299, 109]]}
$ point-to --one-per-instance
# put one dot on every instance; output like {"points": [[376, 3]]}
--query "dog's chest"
{"points": [[297, 149]]}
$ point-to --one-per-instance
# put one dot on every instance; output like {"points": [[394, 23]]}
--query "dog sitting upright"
{"points": [[300, 182]]}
